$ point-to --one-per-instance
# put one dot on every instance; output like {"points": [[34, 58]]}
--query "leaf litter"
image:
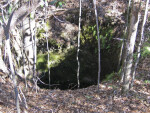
{"points": [[86, 100]]}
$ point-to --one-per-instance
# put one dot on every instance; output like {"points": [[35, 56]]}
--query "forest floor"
{"points": [[86, 100]]}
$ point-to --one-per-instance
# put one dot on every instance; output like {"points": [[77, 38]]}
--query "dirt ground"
{"points": [[86, 100]]}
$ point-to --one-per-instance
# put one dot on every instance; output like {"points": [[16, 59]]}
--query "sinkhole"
{"points": [[64, 75], [63, 71]]}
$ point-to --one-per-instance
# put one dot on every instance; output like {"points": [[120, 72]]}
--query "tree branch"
{"points": [[19, 15]]}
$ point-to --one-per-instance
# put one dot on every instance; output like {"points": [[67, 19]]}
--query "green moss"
{"points": [[55, 59], [48, 25], [146, 50], [41, 62], [42, 30], [54, 43], [40, 33], [111, 77]]}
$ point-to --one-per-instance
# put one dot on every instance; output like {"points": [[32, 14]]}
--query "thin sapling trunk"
{"points": [[78, 48], [99, 56], [6, 31], [140, 43], [123, 44]]}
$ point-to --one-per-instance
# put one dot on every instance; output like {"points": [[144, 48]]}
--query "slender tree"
{"points": [[15, 17], [6, 31], [99, 56], [33, 37], [123, 43], [78, 48], [134, 21], [23, 57], [2, 63], [24, 98], [140, 43], [46, 35], [19, 14]]}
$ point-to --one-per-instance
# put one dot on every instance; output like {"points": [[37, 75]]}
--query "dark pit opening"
{"points": [[64, 75]]}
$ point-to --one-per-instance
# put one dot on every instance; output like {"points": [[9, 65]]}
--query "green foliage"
{"points": [[135, 56], [89, 34], [145, 52], [42, 3], [47, 25], [55, 59], [112, 76], [147, 81], [54, 43], [57, 3], [42, 62], [40, 33], [109, 77], [10, 9]]}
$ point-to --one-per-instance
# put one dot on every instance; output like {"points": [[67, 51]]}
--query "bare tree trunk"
{"points": [[123, 44], [23, 57], [17, 44], [24, 98], [28, 51], [99, 57], [140, 43], [20, 14], [6, 28], [134, 21], [15, 17], [3, 67], [78, 48], [48, 55], [12, 72], [35, 58], [2, 64], [48, 61], [11, 67], [33, 36]]}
